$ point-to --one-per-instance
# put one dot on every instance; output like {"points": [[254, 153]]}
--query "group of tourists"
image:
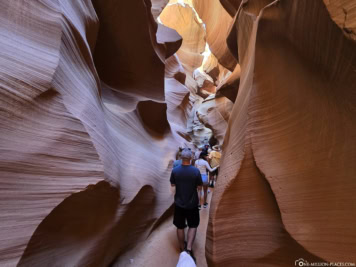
{"points": [[191, 175]]}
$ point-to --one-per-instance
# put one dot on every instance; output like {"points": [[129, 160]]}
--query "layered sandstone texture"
{"points": [[207, 63], [287, 184], [343, 12], [96, 96], [86, 145]]}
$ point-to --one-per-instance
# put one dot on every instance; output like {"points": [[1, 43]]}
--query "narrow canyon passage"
{"points": [[161, 247], [97, 97]]}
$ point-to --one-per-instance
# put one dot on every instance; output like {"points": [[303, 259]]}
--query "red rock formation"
{"points": [[80, 157], [178, 98], [183, 18], [286, 187], [91, 117], [192, 32], [217, 22], [343, 12], [214, 113], [158, 6]]}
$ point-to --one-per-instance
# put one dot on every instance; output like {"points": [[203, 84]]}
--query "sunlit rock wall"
{"points": [[204, 69], [214, 112], [343, 12], [86, 146], [184, 20], [287, 184], [94, 103], [217, 22]]}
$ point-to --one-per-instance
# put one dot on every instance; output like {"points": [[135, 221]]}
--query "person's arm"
{"points": [[209, 168], [199, 181], [210, 157]]}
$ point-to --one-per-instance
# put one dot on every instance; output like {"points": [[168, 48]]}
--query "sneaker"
{"points": [[190, 252], [205, 204], [199, 207]]}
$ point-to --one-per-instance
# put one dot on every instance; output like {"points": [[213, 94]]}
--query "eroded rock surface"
{"points": [[343, 12], [85, 145], [96, 96], [286, 185], [217, 22], [214, 113], [192, 32]]}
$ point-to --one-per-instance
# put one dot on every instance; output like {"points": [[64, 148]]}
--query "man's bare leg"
{"points": [[180, 235], [205, 187], [191, 237], [201, 197]]}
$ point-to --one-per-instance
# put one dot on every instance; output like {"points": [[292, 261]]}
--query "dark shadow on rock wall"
{"points": [[75, 221], [154, 117], [91, 228]]}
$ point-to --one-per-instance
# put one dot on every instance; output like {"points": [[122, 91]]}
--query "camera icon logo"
{"points": [[301, 262]]}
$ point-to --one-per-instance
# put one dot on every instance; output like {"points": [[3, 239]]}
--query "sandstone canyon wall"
{"points": [[207, 62], [85, 141], [287, 184], [96, 96]]}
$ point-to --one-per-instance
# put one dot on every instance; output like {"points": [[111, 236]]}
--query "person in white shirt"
{"points": [[203, 166]]}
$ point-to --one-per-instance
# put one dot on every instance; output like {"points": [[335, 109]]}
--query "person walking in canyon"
{"points": [[187, 181], [214, 160], [205, 150], [203, 165]]}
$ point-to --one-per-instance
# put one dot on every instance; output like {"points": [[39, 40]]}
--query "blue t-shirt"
{"points": [[186, 178]]}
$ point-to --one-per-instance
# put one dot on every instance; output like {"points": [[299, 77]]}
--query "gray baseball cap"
{"points": [[186, 154]]}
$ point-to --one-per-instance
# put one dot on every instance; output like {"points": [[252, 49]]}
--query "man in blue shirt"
{"points": [[187, 181]]}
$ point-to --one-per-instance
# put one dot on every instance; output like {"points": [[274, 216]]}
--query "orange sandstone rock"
{"points": [[286, 186], [79, 157]]}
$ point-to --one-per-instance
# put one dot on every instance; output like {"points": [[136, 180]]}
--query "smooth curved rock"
{"points": [[199, 134], [158, 6], [215, 70], [94, 103], [63, 129], [229, 86], [288, 158], [131, 74], [214, 113], [192, 32], [178, 98], [217, 22], [343, 12], [170, 38]]}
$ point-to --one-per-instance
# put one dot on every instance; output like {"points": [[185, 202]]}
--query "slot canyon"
{"points": [[97, 96]]}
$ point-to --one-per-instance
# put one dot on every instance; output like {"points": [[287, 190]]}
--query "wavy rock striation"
{"points": [[214, 113], [343, 12], [84, 136], [286, 187], [95, 98], [217, 22], [192, 32], [204, 69]]}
